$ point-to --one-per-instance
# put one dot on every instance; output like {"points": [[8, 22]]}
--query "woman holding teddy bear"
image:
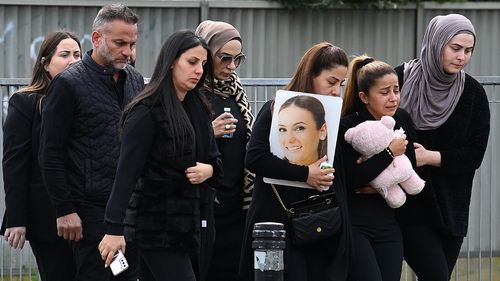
{"points": [[371, 93]]}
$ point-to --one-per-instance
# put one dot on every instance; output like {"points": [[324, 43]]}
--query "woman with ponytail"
{"points": [[371, 93]]}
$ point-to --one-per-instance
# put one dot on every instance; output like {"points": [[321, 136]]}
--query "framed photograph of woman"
{"points": [[304, 129]]}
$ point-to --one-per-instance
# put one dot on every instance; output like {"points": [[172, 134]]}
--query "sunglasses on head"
{"points": [[226, 59]]}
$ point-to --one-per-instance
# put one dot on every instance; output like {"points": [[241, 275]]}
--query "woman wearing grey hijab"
{"points": [[451, 115], [232, 125]]}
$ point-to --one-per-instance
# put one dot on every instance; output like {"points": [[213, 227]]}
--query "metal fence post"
{"points": [[268, 245]]}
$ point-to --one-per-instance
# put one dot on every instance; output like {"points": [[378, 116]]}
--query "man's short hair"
{"points": [[111, 12]]}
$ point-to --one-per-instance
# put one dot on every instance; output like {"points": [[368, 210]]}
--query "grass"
{"points": [[472, 269]]}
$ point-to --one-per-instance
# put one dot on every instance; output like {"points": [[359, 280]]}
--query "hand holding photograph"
{"points": [[301, 126]]}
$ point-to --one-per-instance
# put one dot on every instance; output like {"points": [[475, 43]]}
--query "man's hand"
{"points": [[16, 236], [109, 245], [69, 227], [319, 178]]}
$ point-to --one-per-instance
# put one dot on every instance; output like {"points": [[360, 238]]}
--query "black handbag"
{"points": [[314, 218]]}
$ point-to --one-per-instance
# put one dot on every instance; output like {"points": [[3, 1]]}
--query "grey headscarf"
{"points": [[428, 93]]}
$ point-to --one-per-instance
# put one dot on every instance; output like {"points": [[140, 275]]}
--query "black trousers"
{"points": [[89, 264], [229, 227], [378, 244], [54, 259], [168, 265], [430, 254], [308, 262]]}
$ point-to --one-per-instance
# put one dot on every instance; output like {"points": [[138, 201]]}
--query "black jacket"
{"points": [[265, 207], [461, 140], [26, 200], [164, 208], [79, 142]]}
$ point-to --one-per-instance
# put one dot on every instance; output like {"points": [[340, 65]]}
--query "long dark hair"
{"points": [[40, 78], [161, 91], [317, 110]]}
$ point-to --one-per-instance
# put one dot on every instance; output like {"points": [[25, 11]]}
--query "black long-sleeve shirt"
{"points": [[362, 174], [461, 141]]}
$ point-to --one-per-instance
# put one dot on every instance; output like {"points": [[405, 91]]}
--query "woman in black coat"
{"points": [[29, 214], [168, 158], [321, 70], [232, 123], [451, 113], [372, 92]]}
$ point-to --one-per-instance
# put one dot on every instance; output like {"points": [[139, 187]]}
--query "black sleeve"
{"points": [[470, 155], [259, 158], [214, 158], [57, 117], [404, 118], [17, 158], [358, 175], [137, 138]]}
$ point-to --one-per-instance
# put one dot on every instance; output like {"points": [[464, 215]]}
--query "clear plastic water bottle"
{"points": [[230, 135]]}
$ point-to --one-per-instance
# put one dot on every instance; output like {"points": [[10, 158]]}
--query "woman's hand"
{"points": [[224, 124], [426, 157], [108, 247], [320, 178], [199, 173], [16, 236], [398, 145]]}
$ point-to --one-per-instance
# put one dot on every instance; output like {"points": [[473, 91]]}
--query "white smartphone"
{"points": [[119, 263]]}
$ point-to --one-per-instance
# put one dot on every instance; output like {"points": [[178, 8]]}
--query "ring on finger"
{"points": [[227, 126]]}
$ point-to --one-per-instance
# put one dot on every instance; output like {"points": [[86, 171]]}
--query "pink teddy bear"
{"points": [[372, 137]]}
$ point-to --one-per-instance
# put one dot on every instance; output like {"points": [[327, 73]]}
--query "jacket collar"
{"points": [[364, 114], [89, 62]]}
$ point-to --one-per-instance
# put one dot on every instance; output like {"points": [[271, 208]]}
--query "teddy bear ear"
{"points": [[388, 121], [348, 135]]}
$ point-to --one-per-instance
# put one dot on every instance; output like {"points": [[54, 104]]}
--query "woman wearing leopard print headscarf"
{"points": [[232, 126]]}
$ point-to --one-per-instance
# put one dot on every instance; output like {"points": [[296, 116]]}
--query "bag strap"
{"points": [[281, 201]]}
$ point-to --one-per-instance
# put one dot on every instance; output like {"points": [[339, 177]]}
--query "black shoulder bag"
{"points": [[314, 218]]}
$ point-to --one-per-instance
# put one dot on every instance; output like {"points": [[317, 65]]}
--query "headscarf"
{"points": [[217, 34], [428, 93]]}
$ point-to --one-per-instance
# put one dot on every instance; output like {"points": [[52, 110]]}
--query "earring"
{"points": [[322, 138]]}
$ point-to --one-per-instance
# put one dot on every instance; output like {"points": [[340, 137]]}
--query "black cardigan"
{"points": [[26, 199], [461, 140], [152, 201], [265, 206]]}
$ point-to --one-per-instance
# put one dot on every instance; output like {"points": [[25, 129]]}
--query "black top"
{"points": [[26, 200], [151, 196], [230, 190], [362, 174], [461, 140], [265, 206]]}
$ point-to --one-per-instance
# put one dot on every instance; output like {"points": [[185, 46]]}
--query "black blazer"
{"points": [[26, 199]]}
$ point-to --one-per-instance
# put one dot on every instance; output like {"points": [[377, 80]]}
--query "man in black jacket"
{"points": [[79, 141]]}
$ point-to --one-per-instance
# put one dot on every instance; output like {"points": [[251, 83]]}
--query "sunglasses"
{"points": [[226, 59]]}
